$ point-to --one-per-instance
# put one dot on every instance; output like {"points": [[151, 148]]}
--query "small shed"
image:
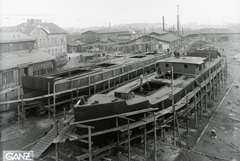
{"points": [[183, 65], [20, 63]]}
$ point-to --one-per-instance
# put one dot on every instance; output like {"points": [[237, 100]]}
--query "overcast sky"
{"points": [[90, 13]]}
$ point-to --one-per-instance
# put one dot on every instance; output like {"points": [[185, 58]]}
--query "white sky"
{"points": [[90, 13]]}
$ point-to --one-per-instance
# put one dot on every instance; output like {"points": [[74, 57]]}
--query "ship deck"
{"points": [[155, 97]]}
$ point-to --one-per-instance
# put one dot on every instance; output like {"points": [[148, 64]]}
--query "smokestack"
{"points": [[109, 24], [163, 23], [182, 31], [178, 20]]}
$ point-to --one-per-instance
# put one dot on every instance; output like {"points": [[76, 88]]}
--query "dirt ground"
{"points": [[225, 122]]}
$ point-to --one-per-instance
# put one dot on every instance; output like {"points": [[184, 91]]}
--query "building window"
{"points": [[43, 41], [34, 73], [52, 41], [185, 66], [55, 51], [49, 70], [52, 51], [166, 65], [48, 51], [48, 40], [7, 77], [40, 42]]}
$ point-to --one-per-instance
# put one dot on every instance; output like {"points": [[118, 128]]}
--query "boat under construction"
{"points": [[181, 84], [122, 100]]}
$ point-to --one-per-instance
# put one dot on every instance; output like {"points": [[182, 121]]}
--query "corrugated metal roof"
{"points": [[14, 37], [185, 60], [14, 59]]}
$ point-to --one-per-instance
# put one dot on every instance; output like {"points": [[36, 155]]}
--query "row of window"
{"points": [[42, 71], [185, 65], [49, 41], [7, 77], [54, 51]]}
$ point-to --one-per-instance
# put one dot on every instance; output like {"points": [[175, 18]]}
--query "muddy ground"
{"points": [[225, 121]]}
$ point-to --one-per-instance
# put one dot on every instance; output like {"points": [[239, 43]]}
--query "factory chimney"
{"points": [[163, 23], [178, 20]]}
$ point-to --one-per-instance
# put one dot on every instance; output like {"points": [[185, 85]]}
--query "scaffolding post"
{"points": [[214, 89], [77, 92], [54, 102], [187, 112], [205, 95], [89, 143], [174, 112], [129, 139], [89, 86], [210, 84], [118, 154], [64, 113], [155, 138], [226, 63], [23, 113], [71, 91], [49, 113], [56, 145], [163, 118], [114, 74], [123, 72], [94, 88], [195, 105], [179, 135], [201, 100], [108, 84], [19, 107], [145, 136]]}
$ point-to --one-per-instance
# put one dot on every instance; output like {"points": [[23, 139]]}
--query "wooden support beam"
{"points": [[23, 112], [56, 144], [201, 101], [155, 138], [129, 143], [82, 126], [89, 143], [54, 101], [123, 117], [72, 91], [89, 85], [49, 114], [205, 96], [179, 135], [163, 119], [195, 106], [118, 137], [18, 106], [187, 111], [114, 74], [145, 137], [94, 88], [109, 85]]}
